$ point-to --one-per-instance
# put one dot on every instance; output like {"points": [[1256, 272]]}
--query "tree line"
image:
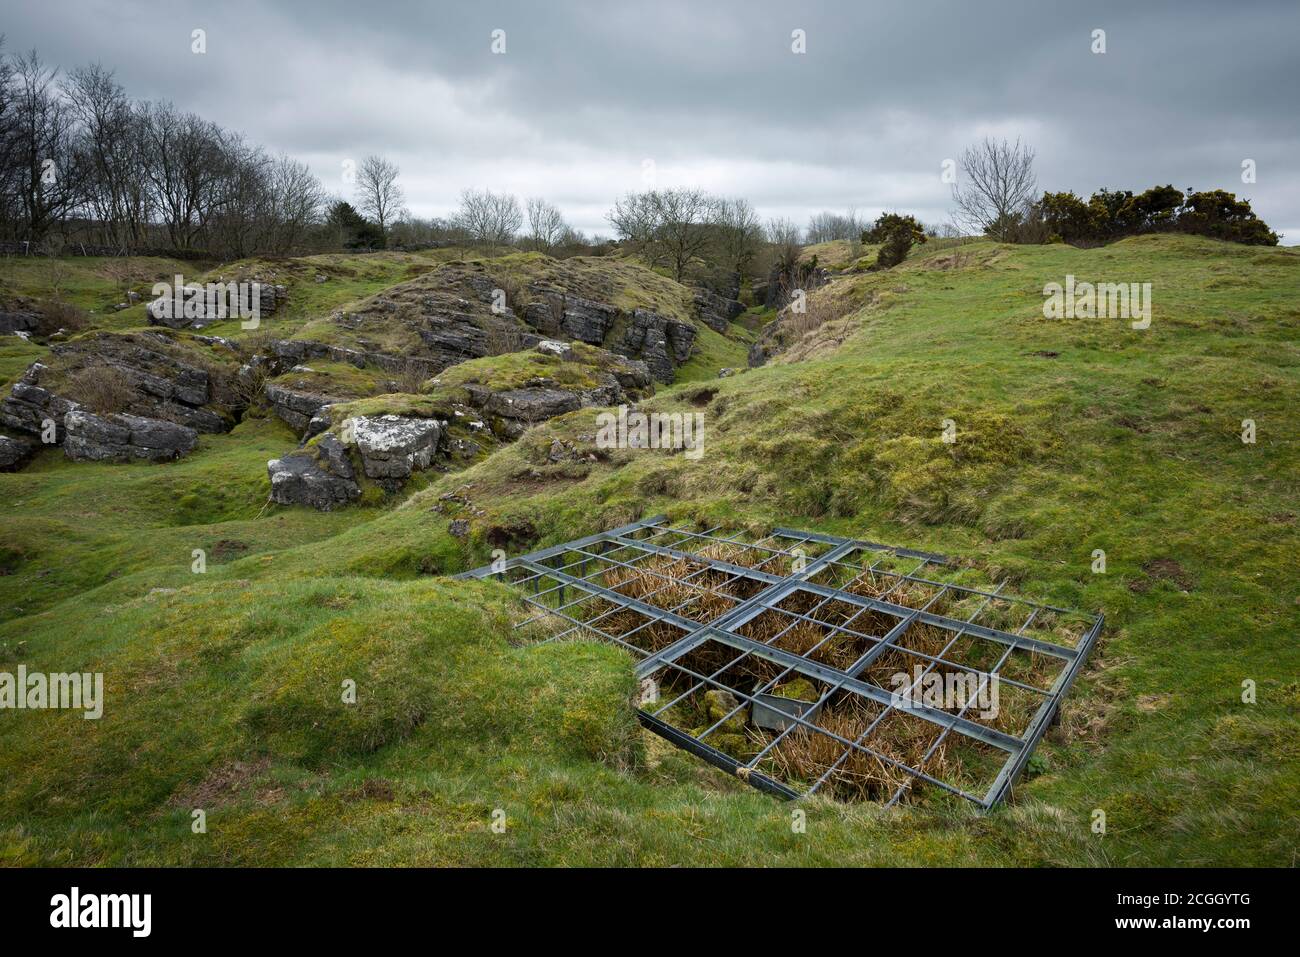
{"points": [[80, 159]]}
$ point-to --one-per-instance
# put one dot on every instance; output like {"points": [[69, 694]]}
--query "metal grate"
{"points": [[807, 663]]}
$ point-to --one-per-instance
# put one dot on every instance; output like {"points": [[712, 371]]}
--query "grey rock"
{"points": [[556, 313], [120, 438], [716, 311], [551, 347], [291, 352], [19, 321], [28, 407], [319, 422], [216, 302], [660, 341], [295, 408], [161, 384], [531, 404], [14, 453], [394, 446], [459, 528], [633, 375], [323, 480]]}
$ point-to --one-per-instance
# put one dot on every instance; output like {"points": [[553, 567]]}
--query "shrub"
{"points": [[898, 234], [58, 315], [1113, 214], [503, 337], [1221, 215], [1069, 218], [102, 388], [411, 376]]}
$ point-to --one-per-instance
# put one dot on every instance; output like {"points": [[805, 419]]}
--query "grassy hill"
{"points": [[223, 689]]}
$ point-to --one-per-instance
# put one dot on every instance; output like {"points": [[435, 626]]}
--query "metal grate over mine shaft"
{"points": [[808, 663]]}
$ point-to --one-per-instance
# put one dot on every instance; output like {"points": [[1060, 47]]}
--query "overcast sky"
{"points": [[591, 100]]}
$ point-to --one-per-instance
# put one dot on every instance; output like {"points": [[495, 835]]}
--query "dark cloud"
{"points": [[587, 94]]}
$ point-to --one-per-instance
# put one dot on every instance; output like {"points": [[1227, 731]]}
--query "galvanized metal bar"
{"points": [[639, 538], [860, 543], [715, 757]]}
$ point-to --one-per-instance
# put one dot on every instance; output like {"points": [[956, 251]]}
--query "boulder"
{"points": [[633, 375], [28, 407], [394, 446], [320, 476], [19, 320], [551, 347], [213, 302], [14, 453], [297, 409], [321, 421], [535, 404], [120, 438]]}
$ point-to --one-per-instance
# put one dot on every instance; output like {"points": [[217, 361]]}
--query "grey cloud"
{"points": [[711, 92]]}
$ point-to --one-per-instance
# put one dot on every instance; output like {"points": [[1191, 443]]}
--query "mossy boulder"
{"points": [[719, 705], [798, 689]]}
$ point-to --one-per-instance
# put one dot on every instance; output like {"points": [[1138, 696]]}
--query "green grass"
{"points": [[225, 694]]}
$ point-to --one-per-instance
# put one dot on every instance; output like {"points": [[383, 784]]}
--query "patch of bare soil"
{"points": [[223, 785], [1162, 569], [372, 789]]}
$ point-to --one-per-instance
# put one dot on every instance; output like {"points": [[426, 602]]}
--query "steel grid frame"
{"points": [[676, 596]]}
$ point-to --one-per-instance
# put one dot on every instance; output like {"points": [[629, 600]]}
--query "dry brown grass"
{"points": [[805, 755], [102, 388], [502, 338], [411, 377], [663, 582]]}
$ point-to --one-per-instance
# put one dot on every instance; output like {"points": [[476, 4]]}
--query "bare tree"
{"points": [[737, 233], [48, 175], [999, 184], [635, 221], [669, 227], [378, 194], [295, 199], [108, 144], [826, 227], [781, 232], [546, 225], [9, 170], [488, 217], [185, 161]]}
